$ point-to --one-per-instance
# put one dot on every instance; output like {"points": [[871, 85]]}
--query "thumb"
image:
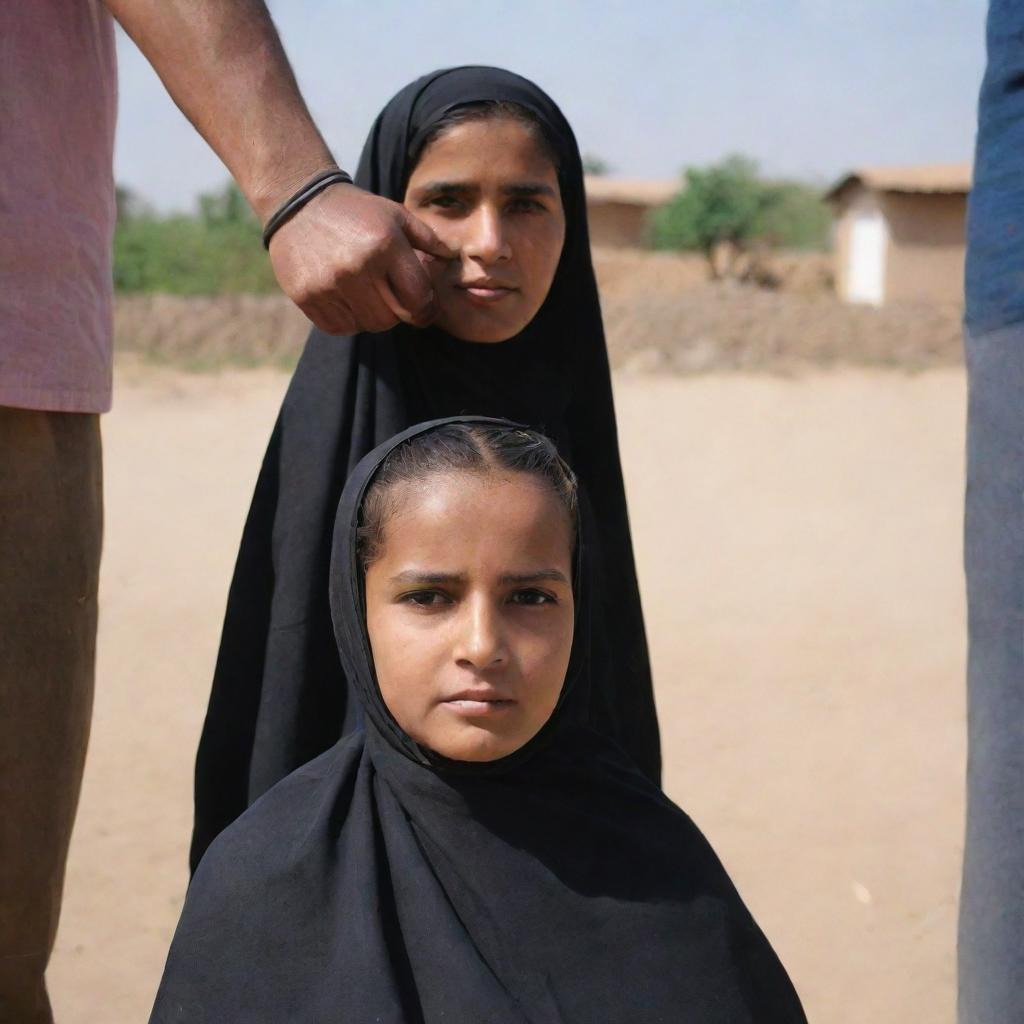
{"points": [[421, 236]]}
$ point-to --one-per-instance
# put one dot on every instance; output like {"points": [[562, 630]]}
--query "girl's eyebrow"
{"points": [[533, 577], [416, 576]]}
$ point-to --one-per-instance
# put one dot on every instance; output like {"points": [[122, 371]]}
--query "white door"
{"points": [[869, 239]]}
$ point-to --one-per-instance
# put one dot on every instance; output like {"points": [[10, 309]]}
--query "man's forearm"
{"points": [[223, 64], [346, 258]]}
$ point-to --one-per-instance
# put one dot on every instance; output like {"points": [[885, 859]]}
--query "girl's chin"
{"points": [[476, 745], [472, 753]]}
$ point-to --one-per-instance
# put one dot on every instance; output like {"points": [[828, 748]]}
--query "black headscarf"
{"points": [[279, 696], [376, 884]]}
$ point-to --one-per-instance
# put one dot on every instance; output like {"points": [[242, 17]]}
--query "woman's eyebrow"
{"points": [[527, 189], [448, 188], [521, 190]]}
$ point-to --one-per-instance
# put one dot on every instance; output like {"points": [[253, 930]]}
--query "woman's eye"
{"points": [[444, 202], [525, 206], [425, 598], [532, 597]]}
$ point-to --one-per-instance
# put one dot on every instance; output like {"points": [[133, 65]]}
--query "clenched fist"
{"points": [[348, 260]]}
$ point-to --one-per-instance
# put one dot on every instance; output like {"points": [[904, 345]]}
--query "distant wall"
{"points": [[618, 225], [926, 249]]}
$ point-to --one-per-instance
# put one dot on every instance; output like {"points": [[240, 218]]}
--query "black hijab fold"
{"points": [[374, 885], [279, 694]]}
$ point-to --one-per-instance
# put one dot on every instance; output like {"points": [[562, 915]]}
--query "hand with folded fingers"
{"points": [[353, 261]]}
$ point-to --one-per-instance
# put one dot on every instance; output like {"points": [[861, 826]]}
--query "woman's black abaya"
{"points": [[381, 883], [279, 695]]}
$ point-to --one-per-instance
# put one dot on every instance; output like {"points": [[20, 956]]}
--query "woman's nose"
{"points": [[481, 641], [486, 239]]}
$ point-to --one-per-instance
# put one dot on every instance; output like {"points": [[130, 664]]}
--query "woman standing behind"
{"points": [[490, 163]]}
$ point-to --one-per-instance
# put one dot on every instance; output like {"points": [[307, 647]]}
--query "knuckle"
{"points": [[380, 249], [354, 265], [342, 270], [304, 298]]}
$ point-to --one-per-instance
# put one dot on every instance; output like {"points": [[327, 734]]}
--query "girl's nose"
{"points": [[480, 643]]}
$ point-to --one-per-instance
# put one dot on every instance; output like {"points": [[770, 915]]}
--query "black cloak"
{"points": [[380, 883], [279, 696]]}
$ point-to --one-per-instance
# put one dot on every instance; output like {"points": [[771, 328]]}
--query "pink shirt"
{"points": [[58, 106]]}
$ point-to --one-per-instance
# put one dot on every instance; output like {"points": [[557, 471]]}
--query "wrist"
{"points": [[268, 192], [308, 191]]}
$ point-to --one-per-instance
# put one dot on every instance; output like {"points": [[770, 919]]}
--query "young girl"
{"points": [[490, 163], [477, 854]]}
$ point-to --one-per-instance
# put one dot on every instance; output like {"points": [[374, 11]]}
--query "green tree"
{"points": [[595, 165], [228, 206], [729, 203], [213, 251], [794, 216]]}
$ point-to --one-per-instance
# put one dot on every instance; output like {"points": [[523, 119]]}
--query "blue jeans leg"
{"points": [[991, 940], [991, 924]]}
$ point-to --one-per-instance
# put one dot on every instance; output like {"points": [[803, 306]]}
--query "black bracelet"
{"points": [[290, 207]]}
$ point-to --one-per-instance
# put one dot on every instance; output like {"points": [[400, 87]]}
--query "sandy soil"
{"points": [[799, 551]]}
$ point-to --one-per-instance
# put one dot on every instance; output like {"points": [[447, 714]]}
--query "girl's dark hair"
{"points": [[486, 110], [461, 448]]}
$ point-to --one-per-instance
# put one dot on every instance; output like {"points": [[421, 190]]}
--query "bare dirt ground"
{"points": [[661, 315], [798, 542]]}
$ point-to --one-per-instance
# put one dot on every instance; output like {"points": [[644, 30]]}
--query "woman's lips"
{"points": [[485, 294]]}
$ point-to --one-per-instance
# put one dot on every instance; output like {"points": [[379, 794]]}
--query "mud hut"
{"points": [[619, 211], [899, 233]]}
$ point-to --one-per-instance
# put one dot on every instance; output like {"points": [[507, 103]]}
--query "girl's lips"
{"points": [[478, 708]]}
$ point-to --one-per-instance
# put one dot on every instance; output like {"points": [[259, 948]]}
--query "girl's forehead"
{"points": [[451, 493], [468, 513]]}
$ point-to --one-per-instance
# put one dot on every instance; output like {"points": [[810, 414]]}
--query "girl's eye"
{"points": [[425, 598], [532, 598]]}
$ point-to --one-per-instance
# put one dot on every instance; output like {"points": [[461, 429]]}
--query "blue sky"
{"points": [[810, 88]]}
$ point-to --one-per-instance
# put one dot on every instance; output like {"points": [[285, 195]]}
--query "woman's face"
{"points": [[489, 190], [469, 608]]}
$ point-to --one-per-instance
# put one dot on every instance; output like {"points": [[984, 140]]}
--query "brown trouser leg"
{"points": [[51, 525]]}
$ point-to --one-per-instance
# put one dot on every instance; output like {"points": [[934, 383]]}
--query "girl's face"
{"points": [[469, 608], [489, 191]]}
